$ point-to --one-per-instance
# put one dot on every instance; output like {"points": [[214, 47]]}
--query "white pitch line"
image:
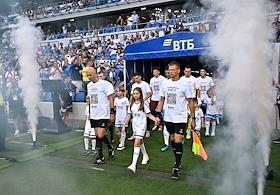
{"points": [[98, 169], [16, 142], [79, 130]]}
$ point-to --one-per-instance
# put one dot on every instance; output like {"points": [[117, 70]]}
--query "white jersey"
{"points": [[175, 95], [89, 132], [220, 105], [198, 115], [144, 86], [87, 125], [139, 117], [155, 84], [99, 92], [211, 109], [193, 82], [204, 84], [121, 105]]}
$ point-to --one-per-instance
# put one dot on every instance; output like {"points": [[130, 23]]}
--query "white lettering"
{"points": [[176, 45], [190, 44], [183, 44]]}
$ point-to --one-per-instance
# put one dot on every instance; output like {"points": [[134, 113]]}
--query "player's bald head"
{"points": [[91, 74], [91, 70]]}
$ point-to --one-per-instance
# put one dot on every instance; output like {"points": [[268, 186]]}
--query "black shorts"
{"points": [[203, 108], [102, 123], [178, 128]]}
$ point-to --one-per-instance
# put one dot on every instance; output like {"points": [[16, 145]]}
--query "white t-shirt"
{"points": [[120, 104], [56, 74], [175, 95], [99, 92], [139, 118], [134, 18], [204, 85], [155, 84], [87, 125], [129, 21], [87, 111], [70, 59], [192, 81], [198, 115], [144, 86], [211, 108]]}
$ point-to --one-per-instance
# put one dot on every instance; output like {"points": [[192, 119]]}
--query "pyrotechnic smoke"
{"points": [[26, 39], [241, 43]]}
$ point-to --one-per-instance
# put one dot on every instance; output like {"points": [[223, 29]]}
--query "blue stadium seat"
{"points": [[79, 97], [113, 57], [46, 96]]}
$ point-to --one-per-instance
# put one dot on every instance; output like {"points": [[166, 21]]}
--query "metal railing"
{"points": [[117, 29]]}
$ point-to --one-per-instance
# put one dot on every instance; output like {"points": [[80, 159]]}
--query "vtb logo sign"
{"points": [[179, 44]]}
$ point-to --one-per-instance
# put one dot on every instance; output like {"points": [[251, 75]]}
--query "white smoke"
{"points": [[241, 43], [26, 39]]}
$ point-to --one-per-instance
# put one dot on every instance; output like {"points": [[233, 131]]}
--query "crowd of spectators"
{"points": [[194, 23], [130, 22], [56, 9]]}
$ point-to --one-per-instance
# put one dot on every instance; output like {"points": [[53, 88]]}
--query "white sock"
{"points": [[213, 123], [123, 136], [33, 134], [165, 136], [93, 144], [136, 153], [86, 142], [218, 120], [143, 150], [207, 127]]}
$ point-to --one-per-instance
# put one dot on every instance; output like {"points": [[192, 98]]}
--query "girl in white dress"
{"points": [[139, 111]]}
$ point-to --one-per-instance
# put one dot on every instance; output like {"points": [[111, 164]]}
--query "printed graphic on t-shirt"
{"points": [[171, 99], [156, 87], [94, 99], [203, 88], [136, 115], [120, 107]]}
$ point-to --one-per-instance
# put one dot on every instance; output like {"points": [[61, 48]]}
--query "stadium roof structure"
{"points": [[179, 44]]}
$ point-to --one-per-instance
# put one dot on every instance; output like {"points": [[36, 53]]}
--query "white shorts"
{"points": [[197, 129], [139, 134], [212, 116], [89, 132], [119, 122]]}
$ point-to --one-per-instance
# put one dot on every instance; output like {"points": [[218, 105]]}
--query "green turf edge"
{"points": [[4, 164], [47, 149]]}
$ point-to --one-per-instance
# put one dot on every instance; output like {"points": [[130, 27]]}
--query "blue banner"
{"points": [[179, 44]]}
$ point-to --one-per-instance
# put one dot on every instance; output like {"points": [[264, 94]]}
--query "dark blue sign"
{"points": [[179, 44]]}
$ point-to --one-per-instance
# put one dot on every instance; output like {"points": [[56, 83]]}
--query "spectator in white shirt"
{"points": [[135, 20]]}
